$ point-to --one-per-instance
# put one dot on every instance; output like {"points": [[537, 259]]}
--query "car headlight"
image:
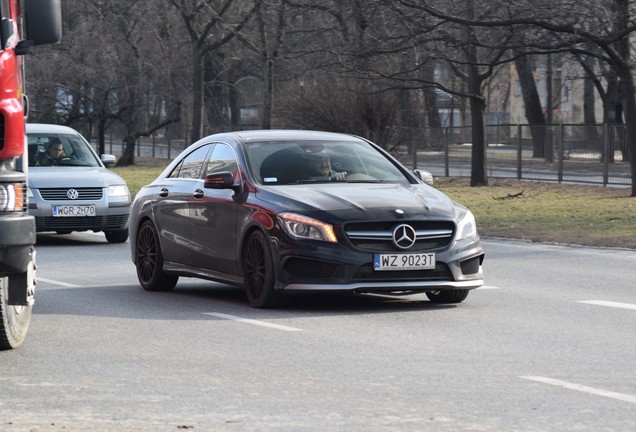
{"points": [[118, 191], [467, 226], [304, 228]]}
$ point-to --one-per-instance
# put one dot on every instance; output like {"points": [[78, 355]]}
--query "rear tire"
{"points": [[14, 320], [258, 271], [448, 296], [149, 261], [117, 236]]}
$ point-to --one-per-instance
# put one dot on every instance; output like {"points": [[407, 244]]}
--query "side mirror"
{"points": [[222, 180], [425, 176], [43, 21], [108, 159]]}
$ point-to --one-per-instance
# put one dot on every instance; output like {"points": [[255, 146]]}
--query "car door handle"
{"points": [[198, 193], [163, 192]]}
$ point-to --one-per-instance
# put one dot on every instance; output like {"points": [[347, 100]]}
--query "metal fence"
{"points": [[594, 154], [578, 153]]}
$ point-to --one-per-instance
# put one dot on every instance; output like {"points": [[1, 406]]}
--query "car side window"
{"points": [[222, 159], [192, 164]]}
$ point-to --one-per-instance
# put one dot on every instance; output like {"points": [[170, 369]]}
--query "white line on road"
{"points": [[251, 321], [582, 388], [486, 287], [54, 282], [609, 304]]}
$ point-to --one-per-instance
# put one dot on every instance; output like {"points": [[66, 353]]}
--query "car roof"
{"points": [[49, 128], [287, 134]]}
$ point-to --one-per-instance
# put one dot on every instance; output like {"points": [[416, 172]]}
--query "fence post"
{"points": [[519, 151], [606, 155], [446, 152], [414, 152], [559, 149]]}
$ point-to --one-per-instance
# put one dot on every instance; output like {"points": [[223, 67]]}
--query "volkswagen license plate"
{"points": [[73, 210], [418, 261]]}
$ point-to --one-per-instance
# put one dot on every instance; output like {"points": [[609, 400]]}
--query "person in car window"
{"points": [[54, 153], [319, 167]]}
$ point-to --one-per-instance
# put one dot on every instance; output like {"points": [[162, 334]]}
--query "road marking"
{"points": [[251, 321], [54, 282], [485, 287], [582, 388], [609, 304]]}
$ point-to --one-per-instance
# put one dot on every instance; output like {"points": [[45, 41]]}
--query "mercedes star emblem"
{"points": [[404, 236]]}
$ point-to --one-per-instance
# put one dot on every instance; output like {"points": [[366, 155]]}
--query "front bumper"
{"points": [[333, 267], [106, 218], [386, 287]]}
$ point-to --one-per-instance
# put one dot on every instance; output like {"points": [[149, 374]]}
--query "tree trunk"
{"points": [[477, 114], [630, 120], [197, 89], [430, 97], [589, 91], [101, 135], [532, 104], [128, 157], [268, 95]]}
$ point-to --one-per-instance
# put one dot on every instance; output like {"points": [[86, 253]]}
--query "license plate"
{"points": [[420, 261], [73, 210]]}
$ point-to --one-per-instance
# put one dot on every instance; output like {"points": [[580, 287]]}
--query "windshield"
{"points": [[50, 149], [302, 162]]}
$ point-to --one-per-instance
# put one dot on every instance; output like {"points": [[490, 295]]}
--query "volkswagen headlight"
{"points": [[118, 191]]}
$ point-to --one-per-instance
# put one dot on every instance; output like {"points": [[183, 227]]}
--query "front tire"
{"points": [[258, 271], [149, 261], [116, 236], [14, 320], [448, 296]]}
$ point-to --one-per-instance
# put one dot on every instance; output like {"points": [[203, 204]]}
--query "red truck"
{"points": [[24, 23]]}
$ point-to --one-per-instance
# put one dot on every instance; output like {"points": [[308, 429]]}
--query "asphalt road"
{"points": [[548, 345]]}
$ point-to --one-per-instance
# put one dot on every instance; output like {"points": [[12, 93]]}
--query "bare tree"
{"points": [[116, 84], [211, 24], [596, 28]]}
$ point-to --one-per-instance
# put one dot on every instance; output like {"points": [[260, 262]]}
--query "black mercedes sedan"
{"points": [[283, 212]]}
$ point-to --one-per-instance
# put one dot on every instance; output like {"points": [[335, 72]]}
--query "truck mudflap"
{"points": [[21, 289], [17, 237], [17, 258]]}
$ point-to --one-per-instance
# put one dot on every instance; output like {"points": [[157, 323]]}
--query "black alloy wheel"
{"points": [[149, 261], [258, 271]]}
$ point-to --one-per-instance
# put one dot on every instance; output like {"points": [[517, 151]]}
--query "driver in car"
{"points": [[54, 153], [319, 167]]}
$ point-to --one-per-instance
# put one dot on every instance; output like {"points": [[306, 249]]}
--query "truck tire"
{"points": [[14, 320]]}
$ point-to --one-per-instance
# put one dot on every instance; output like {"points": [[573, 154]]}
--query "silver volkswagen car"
{"points": [[70, 188]]}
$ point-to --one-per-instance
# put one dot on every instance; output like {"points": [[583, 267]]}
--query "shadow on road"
{"points": [[192, 298]]}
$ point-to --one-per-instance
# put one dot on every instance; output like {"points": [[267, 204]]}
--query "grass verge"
{"points": [[535, 211], [549, 212]]}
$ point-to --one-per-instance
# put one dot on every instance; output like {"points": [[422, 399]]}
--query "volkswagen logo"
{"points": [[72, 194], [404, 236]]}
